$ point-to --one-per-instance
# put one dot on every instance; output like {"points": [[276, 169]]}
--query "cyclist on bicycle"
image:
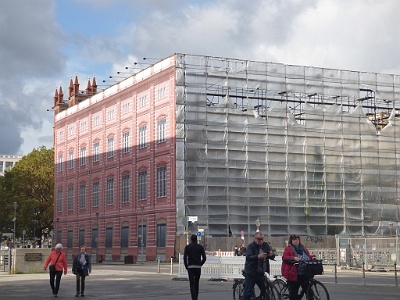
{"points": [[258, 254], [293, 269]]}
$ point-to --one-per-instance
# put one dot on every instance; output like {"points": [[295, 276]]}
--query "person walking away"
{"points": [[194, 258], [258, 254], [292, 268], [57, 262], [81, 267]]}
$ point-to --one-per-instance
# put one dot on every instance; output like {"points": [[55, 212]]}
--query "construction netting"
{"points": [[304, 150]]}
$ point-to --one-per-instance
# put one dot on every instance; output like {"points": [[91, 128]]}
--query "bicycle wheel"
{"points": [[272, 293], [282, 288], [317, 291], [238, 288]]}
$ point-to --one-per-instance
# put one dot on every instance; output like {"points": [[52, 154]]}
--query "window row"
{"points": [[110, 144], [161, 237], [109, 190]]}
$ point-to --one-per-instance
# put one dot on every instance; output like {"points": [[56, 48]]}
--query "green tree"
{"points": [[30, 183]]}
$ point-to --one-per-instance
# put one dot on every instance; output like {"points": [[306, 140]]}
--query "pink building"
{"points": [[115, 167]]}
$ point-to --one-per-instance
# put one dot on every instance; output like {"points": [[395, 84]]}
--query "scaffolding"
{"points": [[306, 150]]}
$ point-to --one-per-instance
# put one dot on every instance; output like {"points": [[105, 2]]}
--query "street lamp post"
{"points": [[142, 208], [258, 224], [15, 222]]}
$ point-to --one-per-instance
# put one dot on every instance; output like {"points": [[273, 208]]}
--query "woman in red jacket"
{"points": [[292, 270], [58, 259]]}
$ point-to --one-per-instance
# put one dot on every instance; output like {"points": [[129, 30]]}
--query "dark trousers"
{"points": [[57, 276], [194, 278], [250, 282], [295, 285], [80, 284]]}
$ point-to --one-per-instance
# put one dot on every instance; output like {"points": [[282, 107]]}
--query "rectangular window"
{"points": [[82, 196], [110, 147], [83, 126], [125, 236], [60, 163], [125, 188], [110, 115], [142, 136], [96, 151], [70, 239], [82, 156], [142, 185], [142, 235], [110, 191], [125, 142], [96, 194], [161, 131], [142, 101], [161, 93], [81, 237], [9, 165], [58, 238], [109, 234], [96, 120], [126, 108], [71, 130], [71, 159], [162, 182], [70, 198], [1, 167], [94, 238], [161, 235], [59, 200]]}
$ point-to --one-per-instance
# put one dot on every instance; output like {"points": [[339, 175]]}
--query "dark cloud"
{"points": [[29, 56]]}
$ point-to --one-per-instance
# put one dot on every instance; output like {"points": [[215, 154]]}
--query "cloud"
{"points": [[29, 56]]}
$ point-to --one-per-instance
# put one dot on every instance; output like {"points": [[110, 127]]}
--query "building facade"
{"points": [[7, 162], [231, 145]]}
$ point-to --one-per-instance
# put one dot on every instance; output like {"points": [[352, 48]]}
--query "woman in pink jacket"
{"points": [[292, 269], [58, 259]]}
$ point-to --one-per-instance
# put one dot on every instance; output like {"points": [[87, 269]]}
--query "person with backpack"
{"points": [[57, 262], [81, 267], [292, 269]]}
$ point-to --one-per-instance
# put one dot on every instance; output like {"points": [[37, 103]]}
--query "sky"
{"points": [[46, 42]]}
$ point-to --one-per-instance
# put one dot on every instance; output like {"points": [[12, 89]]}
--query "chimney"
{"points": [[76, 86], [88, 88], [60, 96], [55, 98], [94, 86], [71, 88]]}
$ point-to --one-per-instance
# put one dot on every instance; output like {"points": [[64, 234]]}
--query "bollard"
{"points": [[395, 274], [335, 273], [363, 269], [172, 266], [158, 261]]}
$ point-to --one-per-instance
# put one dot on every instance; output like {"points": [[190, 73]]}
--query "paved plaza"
{"points": [[146, 282]]}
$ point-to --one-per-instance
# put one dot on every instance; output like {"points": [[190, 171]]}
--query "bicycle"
{"points": [[271, 293], [316, 290]]}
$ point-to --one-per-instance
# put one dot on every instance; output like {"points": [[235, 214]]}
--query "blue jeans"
{"points": [[250, 282]]}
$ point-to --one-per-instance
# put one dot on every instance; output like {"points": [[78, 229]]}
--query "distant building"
{"points": [[7, 162], [223, 147]]}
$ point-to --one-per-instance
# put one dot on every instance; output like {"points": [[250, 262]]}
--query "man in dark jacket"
{"points": [[258, 254], [194, 257]]}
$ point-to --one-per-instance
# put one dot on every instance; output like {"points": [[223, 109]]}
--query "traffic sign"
{"points": [[192, 218], [199, 233]]}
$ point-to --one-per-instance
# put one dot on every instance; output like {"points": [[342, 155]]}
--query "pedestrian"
{"points": [[242, 250], [81, 267], [292, 269], [57, 262], [194, 258], [258, 254]]}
